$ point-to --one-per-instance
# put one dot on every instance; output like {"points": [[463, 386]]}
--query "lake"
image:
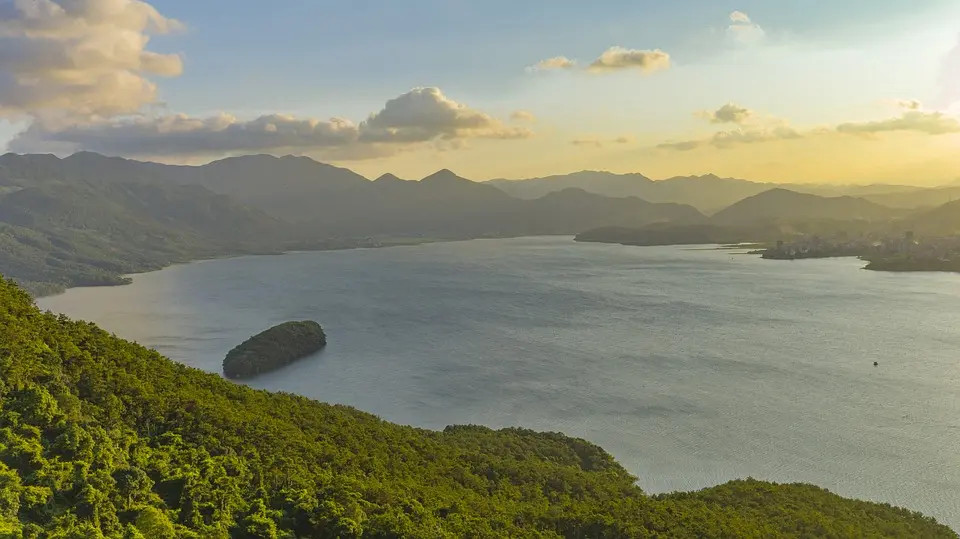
{"points": [[691, 366]]}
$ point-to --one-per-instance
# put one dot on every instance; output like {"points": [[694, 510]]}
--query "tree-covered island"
{"points": [[274, 348]]}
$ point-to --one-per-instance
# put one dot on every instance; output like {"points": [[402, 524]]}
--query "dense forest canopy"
{"points": [[273, 348], [102, 438]]}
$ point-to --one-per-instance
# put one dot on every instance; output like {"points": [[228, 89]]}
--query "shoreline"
{"points": [[128, 277]]}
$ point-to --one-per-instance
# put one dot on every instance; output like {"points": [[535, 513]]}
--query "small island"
{"points": [[274, 348]]}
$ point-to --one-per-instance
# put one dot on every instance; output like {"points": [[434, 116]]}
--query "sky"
{"points": [[859, 91]]}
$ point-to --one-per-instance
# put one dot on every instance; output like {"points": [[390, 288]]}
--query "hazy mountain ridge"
{"points": [[710, 193], [66, 223], [88, 219], [917, 198], [941, 220], [783, 205]]}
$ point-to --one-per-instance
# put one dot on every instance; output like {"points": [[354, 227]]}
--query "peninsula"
{"points": [[274, 348]]}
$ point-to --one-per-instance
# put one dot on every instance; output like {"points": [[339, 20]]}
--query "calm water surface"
{"points": [[691, 366]]}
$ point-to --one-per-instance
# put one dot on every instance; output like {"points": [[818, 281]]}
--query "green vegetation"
{"points": [[102, 438], [271, 349], [909, 263], [57, 234], [88, 220]]}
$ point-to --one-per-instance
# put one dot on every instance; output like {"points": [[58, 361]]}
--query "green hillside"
{"points": [[100, 437], [57, 234]]}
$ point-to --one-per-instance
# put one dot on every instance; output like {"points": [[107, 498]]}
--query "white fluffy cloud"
{"points": [[612, 59], [728, 139], [422, 115], [740, 17], [620, 58], [80, 70], [743, 30], [913, 119], [183, 135], [75, 59], [751, 129], [598, 142], [728, 114], [551, 64], [523, 116]]}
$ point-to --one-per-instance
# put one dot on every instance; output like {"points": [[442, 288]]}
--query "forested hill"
{"points": [[100, 437]]}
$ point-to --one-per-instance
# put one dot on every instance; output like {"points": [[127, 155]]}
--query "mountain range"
{"points": [[88, 219], [711, 193], [784, 205]]}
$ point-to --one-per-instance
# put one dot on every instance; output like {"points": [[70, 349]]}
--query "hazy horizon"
{"points": [[945, 183], [863, 93]]}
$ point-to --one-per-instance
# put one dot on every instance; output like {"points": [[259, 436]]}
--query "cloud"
{"points": [[587, 141], [523, 116], [743, 30], [739, 17], [182, 135], [913, 119], [728, 139], [752, 129], [619, 58], [422, 115], [598, 142], [908, 104], [683, 146], [78, 71], [74, 59], [550, 64], [729, 113]]}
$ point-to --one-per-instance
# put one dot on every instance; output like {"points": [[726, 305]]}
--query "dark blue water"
{"points": [[691, 366]]}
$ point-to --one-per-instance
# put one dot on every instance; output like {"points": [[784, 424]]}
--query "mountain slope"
{"points": [[592, 181], [324, 201], [64, 224], [940, 221], [782, 205], [711, 193], [706, 193], [917, 198], [290, 188], [571, 211], [87, 219], [102, 438]]}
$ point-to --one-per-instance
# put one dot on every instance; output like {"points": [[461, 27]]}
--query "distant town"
{"points": [[906, 252]]}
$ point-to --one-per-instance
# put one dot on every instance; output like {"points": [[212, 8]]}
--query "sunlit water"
{"points": [[691, 366]]}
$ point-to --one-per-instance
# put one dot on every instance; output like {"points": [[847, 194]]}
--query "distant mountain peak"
{"points": [[91, 157], [388, 177], [445, 176]]}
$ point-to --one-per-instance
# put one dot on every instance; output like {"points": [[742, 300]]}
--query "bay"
{"points": [[691, 366]]}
